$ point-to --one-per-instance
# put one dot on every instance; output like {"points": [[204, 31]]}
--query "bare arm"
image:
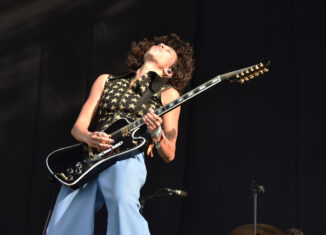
{"points": [[80, 129], [169, 123]]}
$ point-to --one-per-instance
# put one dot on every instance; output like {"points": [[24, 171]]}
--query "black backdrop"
{"points": [[269, 129]]}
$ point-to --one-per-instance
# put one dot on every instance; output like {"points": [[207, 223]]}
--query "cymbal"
{"points": [[262, 229]]}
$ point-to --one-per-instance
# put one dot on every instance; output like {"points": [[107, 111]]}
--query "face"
{"points": [[163, 55]]}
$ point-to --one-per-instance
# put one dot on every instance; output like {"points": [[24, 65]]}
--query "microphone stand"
{"points": [[162, 192], [256, 189]]}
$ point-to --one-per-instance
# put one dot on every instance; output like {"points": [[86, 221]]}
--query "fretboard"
{"points": [[187, 96]]}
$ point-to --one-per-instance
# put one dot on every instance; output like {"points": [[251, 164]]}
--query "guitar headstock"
{"points": [[249, 73]]}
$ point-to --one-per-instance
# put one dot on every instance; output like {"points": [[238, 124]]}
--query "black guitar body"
{"points": [[74, 165]]}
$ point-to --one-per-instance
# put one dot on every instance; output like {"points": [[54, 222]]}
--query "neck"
{"points": [[146, 67]]}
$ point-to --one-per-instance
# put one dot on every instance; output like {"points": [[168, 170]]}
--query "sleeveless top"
{"points": [[119, 100]]}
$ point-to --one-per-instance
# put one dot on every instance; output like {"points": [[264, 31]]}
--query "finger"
{"points": [[150, 122], [154, 115], [149, 126], [106, 135], [150, 117], [107, 140], [95, 136], [155, 118], [105, 146], [101, 145], [98, 133], [156, 123], [150, 110]]}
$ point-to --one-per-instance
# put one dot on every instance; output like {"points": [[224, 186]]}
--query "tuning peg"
{"points": [[237, 76], [261, 71], [261, 65], [251, 76], [252, 69], [242, 74], [242, 81], [247, 72], [266, 70], [246, 78], [256, 67], [256, 74]]}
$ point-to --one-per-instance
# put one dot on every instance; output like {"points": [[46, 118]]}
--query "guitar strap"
{"points": [[156, 84]]}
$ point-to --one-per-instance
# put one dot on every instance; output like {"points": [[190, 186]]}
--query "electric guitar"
{"points": [[74, 165]]}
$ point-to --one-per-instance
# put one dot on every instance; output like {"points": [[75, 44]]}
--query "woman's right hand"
{"points": [[99, 140]]}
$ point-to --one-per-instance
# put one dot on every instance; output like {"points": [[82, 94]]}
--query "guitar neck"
{"points": [[187, 96]]}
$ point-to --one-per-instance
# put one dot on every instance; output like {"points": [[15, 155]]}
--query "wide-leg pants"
{"points": [[118, 186]]}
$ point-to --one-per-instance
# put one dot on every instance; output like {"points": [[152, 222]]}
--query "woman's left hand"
{"points": [[152, 121]]}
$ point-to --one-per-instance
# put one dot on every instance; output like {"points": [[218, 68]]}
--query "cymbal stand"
{"points": [[256, 189]]}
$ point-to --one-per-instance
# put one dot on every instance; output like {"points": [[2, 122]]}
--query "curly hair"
{"points": [[182, 69]]}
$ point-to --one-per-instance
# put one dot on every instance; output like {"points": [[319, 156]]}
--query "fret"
{"points": [[190, 93], [208, 83], [202, 87], [217, 79], [158, 111], [185, 96]]}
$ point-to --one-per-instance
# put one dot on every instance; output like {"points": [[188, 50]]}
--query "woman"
{"points": [[167, 58]]}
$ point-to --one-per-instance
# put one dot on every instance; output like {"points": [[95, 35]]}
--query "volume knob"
{"points": [[70, 170], [78, 171], [70, 178], [78, 165]]}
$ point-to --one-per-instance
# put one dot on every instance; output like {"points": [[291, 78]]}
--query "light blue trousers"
{"points": [[118, 186]]}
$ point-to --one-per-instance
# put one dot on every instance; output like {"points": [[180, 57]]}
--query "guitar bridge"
{"points": [[98, 157], [110, 149]]}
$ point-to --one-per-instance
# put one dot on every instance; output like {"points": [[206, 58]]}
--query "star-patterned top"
{"points": [[120, 100]]}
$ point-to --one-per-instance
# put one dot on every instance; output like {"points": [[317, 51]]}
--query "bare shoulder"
{"points": [[102, 78], [100, 81], [169, 95]]}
